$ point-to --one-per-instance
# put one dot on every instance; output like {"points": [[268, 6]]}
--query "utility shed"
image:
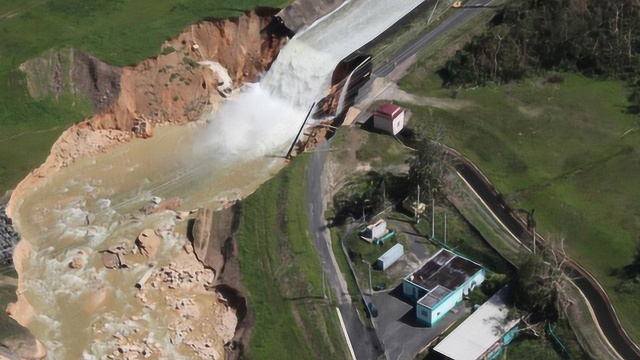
{"points": [[389, 117], [484, 334], [390, 257], [440, 284], [375, 231]]}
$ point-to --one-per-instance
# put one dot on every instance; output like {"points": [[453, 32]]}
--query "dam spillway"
{"points": [[94, 203]]}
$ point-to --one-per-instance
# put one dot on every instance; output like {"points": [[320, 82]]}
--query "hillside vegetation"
{"points": [[118, 32], [552, 118], [595, 38]]}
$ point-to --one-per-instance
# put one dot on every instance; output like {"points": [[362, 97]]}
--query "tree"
{"points": [[363, 196], [539, 286], [429, 165]]}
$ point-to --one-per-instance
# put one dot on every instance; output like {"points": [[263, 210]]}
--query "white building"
{"points": [[375, 231], [390, 257], [483, 334], [389, 117]]}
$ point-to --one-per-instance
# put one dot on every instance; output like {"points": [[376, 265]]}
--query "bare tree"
{"points": [[540, 285]]}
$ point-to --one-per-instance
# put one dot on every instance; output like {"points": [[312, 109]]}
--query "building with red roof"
{"points": [[389, 117]]}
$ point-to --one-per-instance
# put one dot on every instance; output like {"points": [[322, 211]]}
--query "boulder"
{"points": [[110, 260], [76, 263], [148, 243], [26, 346]]}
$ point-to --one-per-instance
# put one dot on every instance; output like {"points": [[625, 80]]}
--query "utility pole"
{"points": [[417, 205], [433, 219], [445, 228]]}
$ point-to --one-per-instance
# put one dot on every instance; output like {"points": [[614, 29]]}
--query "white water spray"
{"points": [[265, 118], [230, 159]]}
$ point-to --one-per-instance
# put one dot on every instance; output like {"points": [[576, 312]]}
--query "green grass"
{"points": [[118, 32], [370, 253], [558, 149], [533, 349], [381, 150], [343, 262], [463, 239], [283, 275]]}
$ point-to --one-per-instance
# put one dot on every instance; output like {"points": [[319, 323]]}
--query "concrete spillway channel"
{"points": [[600, 303]]}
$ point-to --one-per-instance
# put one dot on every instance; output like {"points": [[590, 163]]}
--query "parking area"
{"points": [[402, 336]]}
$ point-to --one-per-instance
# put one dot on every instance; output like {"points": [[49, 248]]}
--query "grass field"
{"points": [[118, 32], [563, 149], [283, 275]]}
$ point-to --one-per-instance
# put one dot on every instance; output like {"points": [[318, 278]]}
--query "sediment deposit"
{"points": [[175, 313]]}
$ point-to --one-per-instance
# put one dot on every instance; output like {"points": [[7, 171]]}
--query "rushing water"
{"points": [[230, 158]]}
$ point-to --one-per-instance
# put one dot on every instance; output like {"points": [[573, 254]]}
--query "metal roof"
{"points": [[476, 335], [443, 273], [389, 110]]}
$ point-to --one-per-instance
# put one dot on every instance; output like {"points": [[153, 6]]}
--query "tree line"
{"points": [[528, 37]]}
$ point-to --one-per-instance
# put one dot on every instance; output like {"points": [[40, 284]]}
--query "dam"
{"points": [[94, 204]]}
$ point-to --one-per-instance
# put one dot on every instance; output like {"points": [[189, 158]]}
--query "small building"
{"points": [[414, 207], [375, 231], [440, 284], [389, 117], [390, 257], [482, 335]]}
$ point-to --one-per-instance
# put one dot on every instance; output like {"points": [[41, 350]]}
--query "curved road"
{"points": [[605, 313]]}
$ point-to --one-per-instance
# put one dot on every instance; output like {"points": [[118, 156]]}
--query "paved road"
{"points": [[605, 313], [424, 40], [364, 341], [427, 38]]}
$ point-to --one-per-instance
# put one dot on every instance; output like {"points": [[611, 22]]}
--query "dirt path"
{"points": [[392, 92]]}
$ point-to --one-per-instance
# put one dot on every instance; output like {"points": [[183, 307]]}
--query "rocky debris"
{"points": [[209, 232], [142, 128], [113, 257], [148, 243], [157, 207], [111, 260], [25, 347], [328, 105], [77, 263], [182, 276], [8, 237], [170, 89]]}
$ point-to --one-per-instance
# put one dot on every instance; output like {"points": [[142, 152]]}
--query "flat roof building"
{"points": [[483, 334], [440, 284]]}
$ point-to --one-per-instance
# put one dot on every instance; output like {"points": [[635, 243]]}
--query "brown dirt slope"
{"points": [[172, 88]]}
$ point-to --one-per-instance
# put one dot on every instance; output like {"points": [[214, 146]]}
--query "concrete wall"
{"points": [[430, 317], [303, 13], [392, 127], [412, 291]]}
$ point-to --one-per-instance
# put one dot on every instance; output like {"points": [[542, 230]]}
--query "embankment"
{"points": [[173, 88], [190, 79]]}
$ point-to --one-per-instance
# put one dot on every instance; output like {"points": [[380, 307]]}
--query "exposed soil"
{"points": [[172, 88]]}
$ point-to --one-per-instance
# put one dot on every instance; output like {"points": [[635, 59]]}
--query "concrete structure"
{"points": [[375, 231], [440, 284], [389, 117], [482, 335], [390, 257]]}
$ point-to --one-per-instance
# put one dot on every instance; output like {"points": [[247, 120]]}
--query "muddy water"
{"points": [[77, 310], [112, 188]]}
